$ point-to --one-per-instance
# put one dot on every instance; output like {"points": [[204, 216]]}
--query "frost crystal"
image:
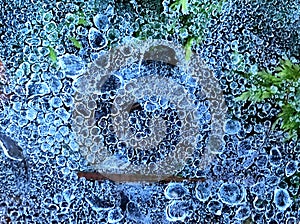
{"points": [[231, 193], [282, 199], [71, 65]]}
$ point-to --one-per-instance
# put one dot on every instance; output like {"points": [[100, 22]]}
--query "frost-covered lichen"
{"points": [[45, 48]]}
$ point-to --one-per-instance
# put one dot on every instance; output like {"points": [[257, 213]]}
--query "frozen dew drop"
{"points": [[101, 22], [282, 199], [115, 215], [55, 102], [258, 188], [175, 191], [31, 114], [291, 168], [231, 194], [203, 190], [177, 211], [33, 41], [215, 207], [150, 107], [71, 65], [99, 204], [37, 88], [55, 85], [50, 27], [97, 40], [243, 212], [68, 195], [244, 148], [275, 157], [232, 127], [134, 211], [63, 114], [72, 18]]}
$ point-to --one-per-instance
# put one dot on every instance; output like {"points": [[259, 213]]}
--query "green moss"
{"points": [[188, 48], [83, 21], [283, 87], [183, 4], [52, 54], [182, 18], [76, 42], [193, 19]]}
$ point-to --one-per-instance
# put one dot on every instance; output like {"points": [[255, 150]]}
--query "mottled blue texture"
{"points": [[255, 178]]}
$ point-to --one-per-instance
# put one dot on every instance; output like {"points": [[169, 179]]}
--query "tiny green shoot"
{"points": [[52, 54], [76, 42], [188, 48], [283, 87]]}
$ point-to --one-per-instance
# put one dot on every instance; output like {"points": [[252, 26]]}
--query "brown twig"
{"points": [[180, 179], [92, 176], [119, 178]]}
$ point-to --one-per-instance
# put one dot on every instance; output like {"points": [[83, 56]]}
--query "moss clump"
{"points": [[183, 19], [282, 86]]}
